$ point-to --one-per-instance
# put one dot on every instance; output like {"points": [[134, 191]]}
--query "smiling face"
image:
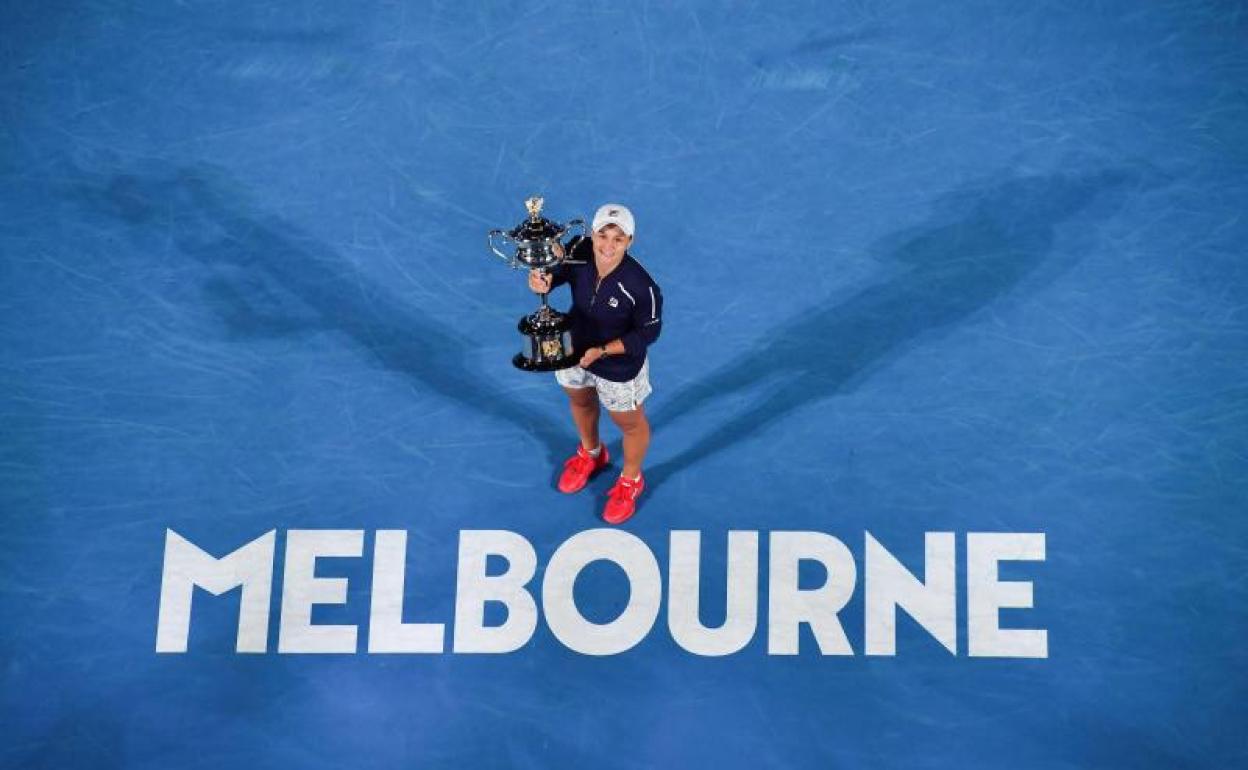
{"points": [[610, 243]]}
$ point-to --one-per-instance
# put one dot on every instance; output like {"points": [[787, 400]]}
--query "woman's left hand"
{"points": [[589, 357]]}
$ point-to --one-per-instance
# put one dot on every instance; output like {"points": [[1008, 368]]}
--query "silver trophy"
{"points": [[536, 242]]}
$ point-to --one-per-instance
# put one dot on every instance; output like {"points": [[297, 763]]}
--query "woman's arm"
{"points": [[612, 348], [647, 320]]}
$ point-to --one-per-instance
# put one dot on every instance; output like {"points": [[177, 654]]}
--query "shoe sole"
{"points": [[617, 522]]}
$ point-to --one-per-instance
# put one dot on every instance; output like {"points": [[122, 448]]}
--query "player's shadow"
{"points": [[979, 243], [268, 278], [271, 279]]}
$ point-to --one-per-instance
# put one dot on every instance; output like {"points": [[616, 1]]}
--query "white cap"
{"points": [[615, 214]]}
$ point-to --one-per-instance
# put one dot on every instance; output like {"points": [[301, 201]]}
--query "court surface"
{"points": [[962, 267]]}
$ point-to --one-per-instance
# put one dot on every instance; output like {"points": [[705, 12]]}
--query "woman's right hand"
{"points": [[539, 282]]}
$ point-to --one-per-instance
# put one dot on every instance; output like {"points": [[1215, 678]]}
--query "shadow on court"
{"points": [[270, 279], [979, 243]]}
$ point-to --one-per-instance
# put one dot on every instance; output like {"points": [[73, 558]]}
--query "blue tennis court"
{"points": [[955, 291]]}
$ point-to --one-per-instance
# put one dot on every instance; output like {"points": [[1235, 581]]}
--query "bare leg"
{"points": [[584, 403], [636, 430]]}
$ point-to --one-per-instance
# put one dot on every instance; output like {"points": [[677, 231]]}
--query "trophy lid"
{"points": [[537, 227]]}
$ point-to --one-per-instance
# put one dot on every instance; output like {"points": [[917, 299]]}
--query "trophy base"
{"points": [[547, 342], [529, 365]]}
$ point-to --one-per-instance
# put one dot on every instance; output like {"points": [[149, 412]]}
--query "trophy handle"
{"points": [[571, 225], [489, 238]]}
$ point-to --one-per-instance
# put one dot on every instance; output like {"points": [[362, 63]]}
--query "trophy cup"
{"points": [[547, 333]]}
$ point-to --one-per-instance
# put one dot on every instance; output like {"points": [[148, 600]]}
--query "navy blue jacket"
{"points": [[625, 305]]}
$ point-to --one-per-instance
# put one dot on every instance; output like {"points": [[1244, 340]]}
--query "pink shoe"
{"points": [[622, 500], [579, 467]]}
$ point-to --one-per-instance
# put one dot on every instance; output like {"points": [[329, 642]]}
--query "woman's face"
{"points": [[610, 243]]}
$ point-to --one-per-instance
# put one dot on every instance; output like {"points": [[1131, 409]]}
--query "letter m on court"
{"points": [[186, 566]]}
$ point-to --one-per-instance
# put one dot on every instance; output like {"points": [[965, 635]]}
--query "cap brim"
{"points": [[611, 221]]}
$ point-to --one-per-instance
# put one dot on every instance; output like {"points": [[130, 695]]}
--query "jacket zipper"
{"points": [[594, 296]]}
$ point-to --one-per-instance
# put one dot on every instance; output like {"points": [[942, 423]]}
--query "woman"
{"points": [[616, 315]]}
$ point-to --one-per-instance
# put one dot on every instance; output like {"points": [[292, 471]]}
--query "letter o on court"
{"points": [[645, 591]]}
